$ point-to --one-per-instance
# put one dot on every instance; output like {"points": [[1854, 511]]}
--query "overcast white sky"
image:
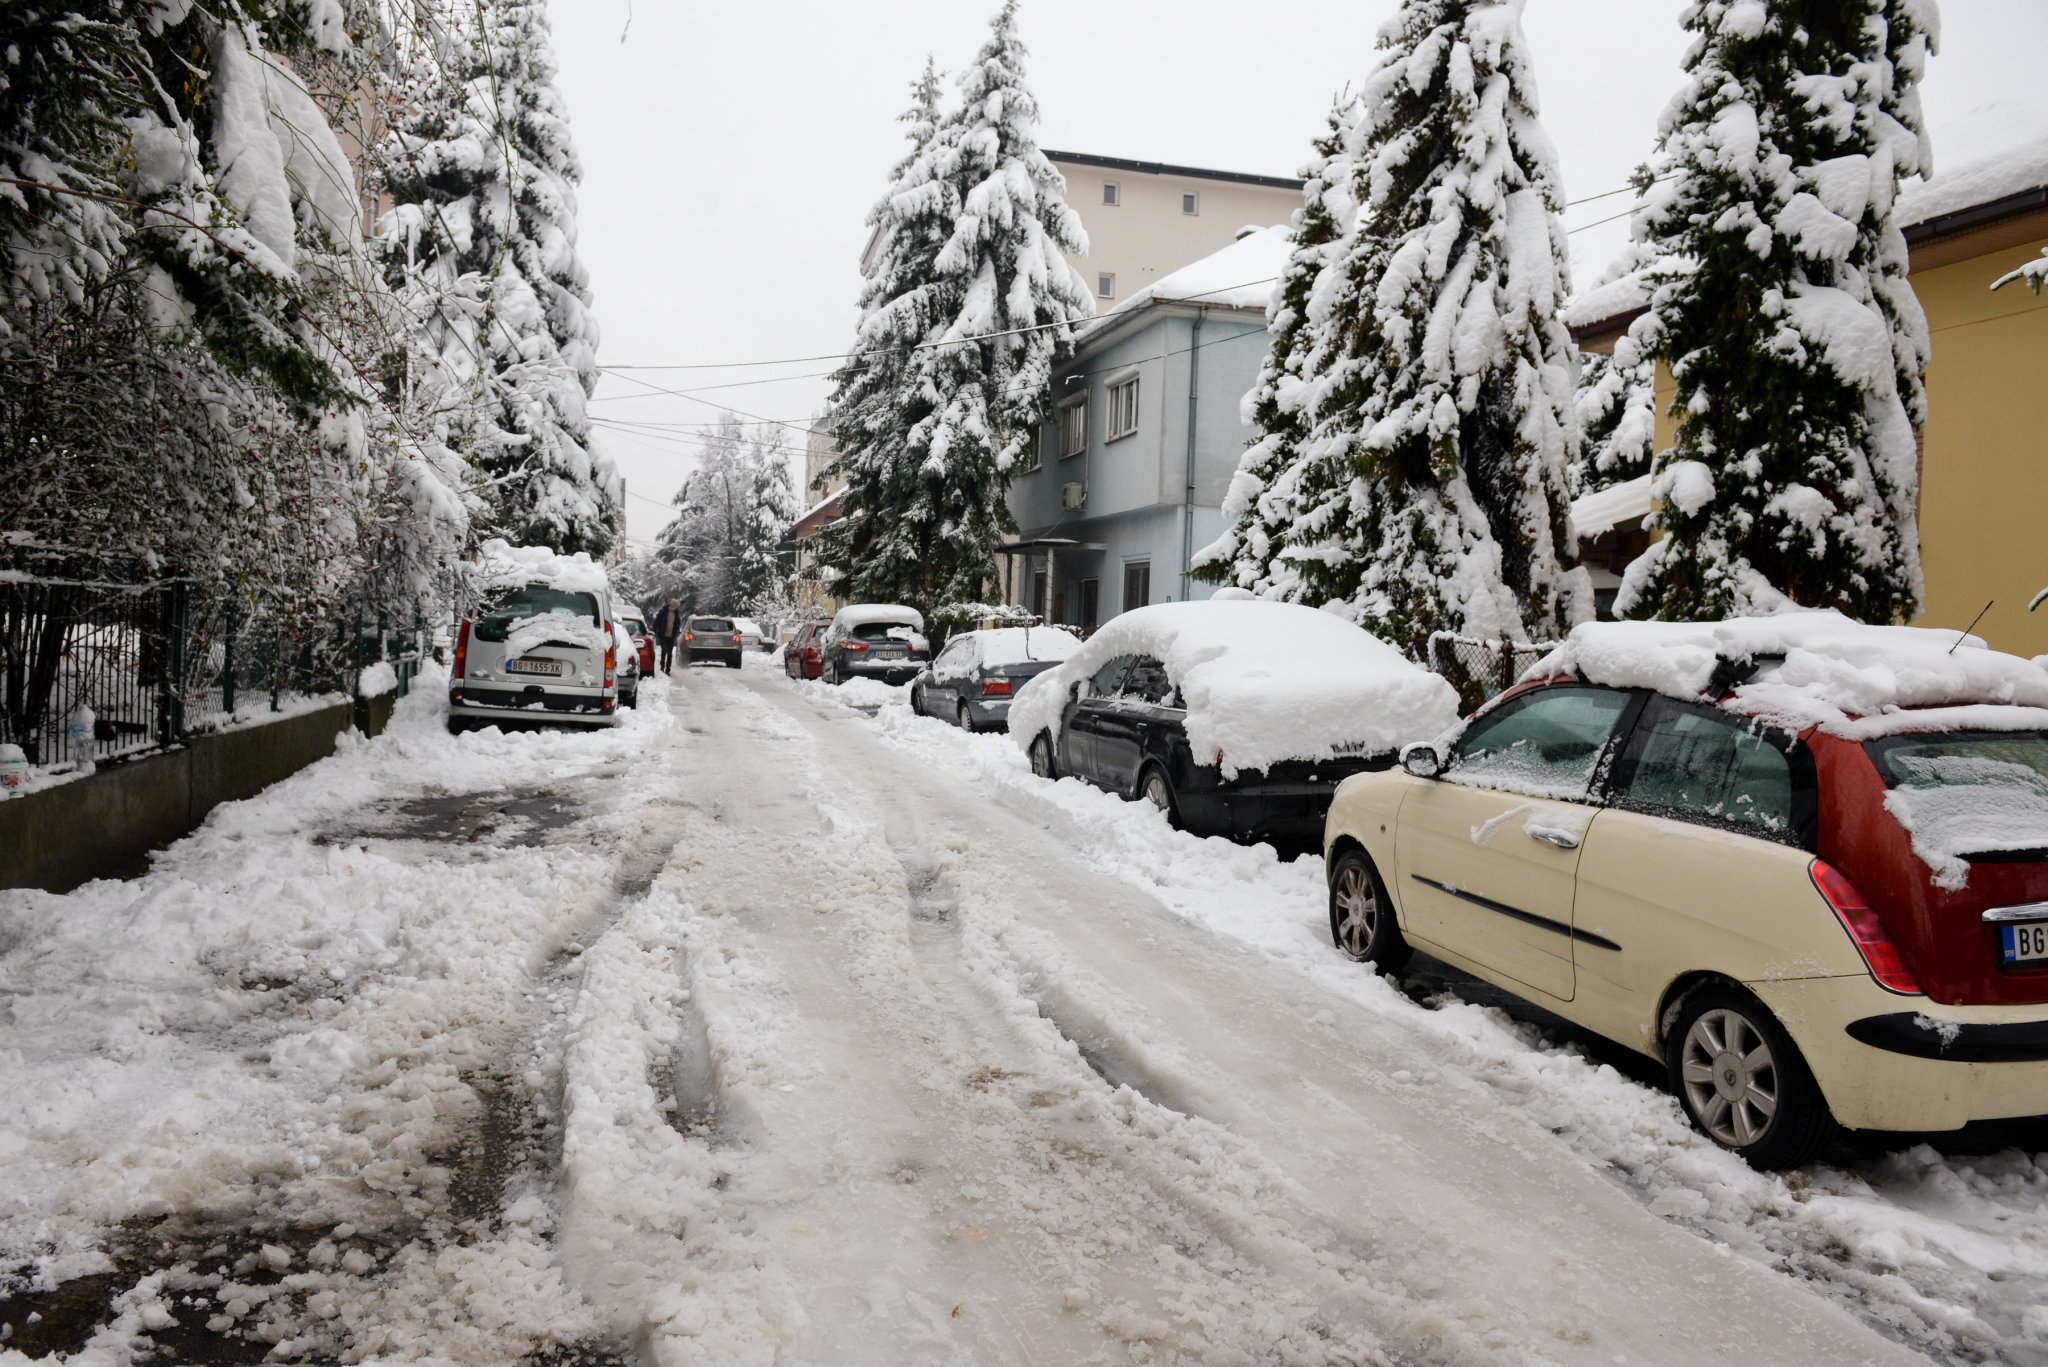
{"points": [[730, 152]]}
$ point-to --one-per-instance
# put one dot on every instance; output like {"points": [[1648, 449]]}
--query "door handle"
{"points": [[1557, 838]]}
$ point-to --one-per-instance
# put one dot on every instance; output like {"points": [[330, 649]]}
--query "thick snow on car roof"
{"points": [[860, 614], [1263, 682], [1816, 668], [1018, 645], [503, 565]]}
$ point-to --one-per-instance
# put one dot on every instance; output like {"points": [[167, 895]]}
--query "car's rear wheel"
{"points": [[735, 660], [1154, 787], [917, 700], [1743, 1082], [964, 717], [1042, 763], [457, 725], [1362, 920]]}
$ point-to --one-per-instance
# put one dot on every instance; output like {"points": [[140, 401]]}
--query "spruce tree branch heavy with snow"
{"points": [[1795, 340], [1416, 417]]}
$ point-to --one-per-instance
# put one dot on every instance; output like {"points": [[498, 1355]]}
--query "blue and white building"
{"points": [[1129, 475]]}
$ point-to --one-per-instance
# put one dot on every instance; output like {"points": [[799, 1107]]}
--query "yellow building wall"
{"points": [[1984, 475], [1984, 470]]}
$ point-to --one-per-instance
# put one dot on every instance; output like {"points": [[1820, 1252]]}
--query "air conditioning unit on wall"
{"points": [[1073, 497]]}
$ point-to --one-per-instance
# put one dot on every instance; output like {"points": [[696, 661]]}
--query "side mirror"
{"points": [[1422, 760], [1074, 690]]}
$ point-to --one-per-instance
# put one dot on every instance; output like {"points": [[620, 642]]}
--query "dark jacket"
{"points": [[668, 624]]}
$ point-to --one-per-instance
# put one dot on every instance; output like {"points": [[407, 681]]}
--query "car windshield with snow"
{"points": [[971, 682], [540, 643], [1800, 861], [1235, 718]]}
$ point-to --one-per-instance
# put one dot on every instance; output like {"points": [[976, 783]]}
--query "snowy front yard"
{"points": [[770, 1029]]}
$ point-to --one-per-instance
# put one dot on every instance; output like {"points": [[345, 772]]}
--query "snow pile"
{"points": [[1953, 805], [1604, 509], [863, 614], [1240, 276], [1813, 668], [1021, 645], [1262, 682], [376, 680], [502, 565]]}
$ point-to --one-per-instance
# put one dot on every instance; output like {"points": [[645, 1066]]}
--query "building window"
{"points": [[1137, 584], [1074, 428], [1123, 409], [1033, 454], [1109, 193], [1190, 203], [1091, 598], [1105, 285], [1038, 593]]}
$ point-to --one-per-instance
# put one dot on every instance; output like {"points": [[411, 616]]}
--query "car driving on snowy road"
{"points": [[1800, 861], [713, 638], [1235, 718], [973, 679]]}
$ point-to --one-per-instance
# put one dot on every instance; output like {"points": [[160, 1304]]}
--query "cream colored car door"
{"points": [[1488, 853], [1700, 863]]}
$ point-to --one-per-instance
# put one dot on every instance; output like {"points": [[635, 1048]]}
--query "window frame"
{"points": [[1112, 194], [1191, 203], [1804, 831], [1142, 567], [1102, 279], [1116, 389], [1081, 427]]}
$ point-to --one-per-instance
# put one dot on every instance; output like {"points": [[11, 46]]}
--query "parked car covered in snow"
{"points": [[972, 680], [1235, 718], [628, 672], [752, 638], [712, 638], [802, 657], [1800, 861], [538, 645], [883, 641]]}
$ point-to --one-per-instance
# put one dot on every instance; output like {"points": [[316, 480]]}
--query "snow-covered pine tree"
{"points": [[1614, 399], [1266, 494], [722, 551], [482, 173], [924, 511], [1432, 384], [1796, 343]]}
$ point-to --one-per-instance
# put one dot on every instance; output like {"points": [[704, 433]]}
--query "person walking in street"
{"points": [[668, 624]]}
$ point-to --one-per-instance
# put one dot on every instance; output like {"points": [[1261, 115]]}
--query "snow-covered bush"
{"points": [[1796, 343]]}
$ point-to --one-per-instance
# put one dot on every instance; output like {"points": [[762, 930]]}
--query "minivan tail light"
{"points": [[996, 687], [1855, 913], [462, 650]]}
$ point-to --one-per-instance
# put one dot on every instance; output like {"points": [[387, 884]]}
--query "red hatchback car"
{"points": [[803, 657], [643, 643]]}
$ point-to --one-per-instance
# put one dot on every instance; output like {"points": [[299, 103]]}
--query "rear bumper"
{"points": [[890, 671], [505, 704], [1880, 1070], [1285, 814], [990, 712]]}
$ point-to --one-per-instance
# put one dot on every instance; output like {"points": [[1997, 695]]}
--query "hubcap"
{"points": [[1731, 1080], [1357, 910]]}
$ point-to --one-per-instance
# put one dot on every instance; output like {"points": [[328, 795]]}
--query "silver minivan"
{"points": [[536, 652]]}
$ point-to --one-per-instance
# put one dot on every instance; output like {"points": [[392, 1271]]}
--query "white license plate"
{"points": [[888, 654], [2025, 942], [555, 667]]}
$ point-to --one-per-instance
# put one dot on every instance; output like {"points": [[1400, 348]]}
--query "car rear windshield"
{"points": [[883, 631], [710, 624], [634, 625], [1967, 795], [506, 613]]}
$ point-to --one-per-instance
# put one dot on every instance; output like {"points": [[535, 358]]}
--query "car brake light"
{"points": [[996, 687], [1854, 911], [852, 645], [611, 652], [462, 650], [688, 637]]}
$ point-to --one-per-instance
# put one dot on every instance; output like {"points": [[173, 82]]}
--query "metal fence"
{"points": [[1481, 669], [92, 671]]}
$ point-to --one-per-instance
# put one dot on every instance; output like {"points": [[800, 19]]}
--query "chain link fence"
{"points": [[1481, 669], [97, 670]]}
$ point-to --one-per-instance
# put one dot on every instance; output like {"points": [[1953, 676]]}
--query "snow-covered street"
{"points": [[774, 1028]]}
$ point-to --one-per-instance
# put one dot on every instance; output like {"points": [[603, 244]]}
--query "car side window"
{"points": [[1147, 682], [1547, 742], [1108, 679], [1702, 764]]}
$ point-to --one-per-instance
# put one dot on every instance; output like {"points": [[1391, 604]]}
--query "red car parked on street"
{"points": [[801, 658], [643, 642]]}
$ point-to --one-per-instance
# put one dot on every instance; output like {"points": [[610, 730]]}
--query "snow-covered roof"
{"points": [[1815, 668], [500, 564], [1242, 275], [1262, 682], [1604, 509], [1990, 151], [860, 614]]}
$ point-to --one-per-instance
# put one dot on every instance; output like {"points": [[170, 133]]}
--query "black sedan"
{"points": [[1125, 729], [973, 679]]}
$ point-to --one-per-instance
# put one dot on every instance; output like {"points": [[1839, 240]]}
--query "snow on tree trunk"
{"points": [[1796, 343], [1425, 389], [482, 173], [968, 309]]}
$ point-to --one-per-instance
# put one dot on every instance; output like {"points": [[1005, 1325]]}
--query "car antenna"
{"points": [[1980, 617]]}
